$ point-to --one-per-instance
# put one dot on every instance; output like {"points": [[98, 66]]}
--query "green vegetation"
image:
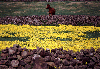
{"points": [[39, 8]]}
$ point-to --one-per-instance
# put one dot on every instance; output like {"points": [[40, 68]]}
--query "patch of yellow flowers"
{"points": [[46, 32]]}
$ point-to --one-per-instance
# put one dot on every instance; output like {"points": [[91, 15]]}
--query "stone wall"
{"points": [[75, 20]]}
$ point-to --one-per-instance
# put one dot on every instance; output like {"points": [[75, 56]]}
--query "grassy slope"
{"points": [[39, 8]]}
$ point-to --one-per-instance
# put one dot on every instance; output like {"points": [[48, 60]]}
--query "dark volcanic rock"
{"points": [[98, 50], [3, 54], [65, 62], [21, 62], [28, 59], [11, 51], [42, 53], [27, 66], [22, 58], [40, 63], [35, 56], [76, 20], [5, 50], [3, 67], [14, 63], [51, 64], [24, 54], [2, 62], [47, 58], [61, 56]]}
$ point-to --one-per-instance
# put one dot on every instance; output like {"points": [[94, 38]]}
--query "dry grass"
{"points": [[75, 3], [17, 12]]}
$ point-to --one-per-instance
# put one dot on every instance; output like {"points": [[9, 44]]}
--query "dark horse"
{"points": [[51, 10]]}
